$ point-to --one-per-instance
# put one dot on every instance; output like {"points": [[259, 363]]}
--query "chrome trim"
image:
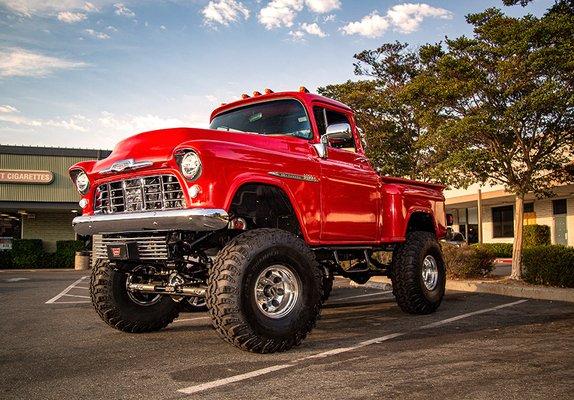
{"points": [[288, 175], [192, 219], [123, 165], [321, 149], [140, 194]]}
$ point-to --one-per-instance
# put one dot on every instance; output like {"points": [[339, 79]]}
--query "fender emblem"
{"points": [[288, 175], [123, 165]]}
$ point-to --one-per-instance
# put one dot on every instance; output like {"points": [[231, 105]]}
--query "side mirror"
{"points": [[449, 220], [336, 133]]}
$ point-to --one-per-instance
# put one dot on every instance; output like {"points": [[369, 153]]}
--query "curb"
{"points": [[6, 270], [502, 289]]}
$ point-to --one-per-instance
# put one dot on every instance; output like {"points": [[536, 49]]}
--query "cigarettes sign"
{"points": [[25, 176]]}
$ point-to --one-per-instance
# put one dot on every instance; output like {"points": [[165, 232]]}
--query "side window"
{"points": [[338, 127], [320, 117]]}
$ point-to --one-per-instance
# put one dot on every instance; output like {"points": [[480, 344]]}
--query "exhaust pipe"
{"points": [[179, 290]]}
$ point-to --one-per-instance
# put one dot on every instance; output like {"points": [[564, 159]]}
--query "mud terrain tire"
{"points": [[412, 294], [232, 286], [113, 305]]}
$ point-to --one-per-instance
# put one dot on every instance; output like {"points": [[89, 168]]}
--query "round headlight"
{"points": [[190, 165], [82, 182]]}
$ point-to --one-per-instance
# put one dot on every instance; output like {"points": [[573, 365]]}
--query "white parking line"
{"points": [[65, 292], [232, 379], [11, 280], [77, 295], [190, 319], [364, 295]]}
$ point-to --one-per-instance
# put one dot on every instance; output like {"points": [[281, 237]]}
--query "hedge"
{"points": [[27, 253], [549, 265], [6, 259], [66, 252], [467, 261], [536, 235], [500, 250]]}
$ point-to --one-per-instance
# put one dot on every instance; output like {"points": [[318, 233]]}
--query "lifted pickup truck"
{"points": [[254, 217]]}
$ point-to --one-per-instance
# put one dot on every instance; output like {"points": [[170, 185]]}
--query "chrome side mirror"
{"points": [[338, 130], [321, 149]]}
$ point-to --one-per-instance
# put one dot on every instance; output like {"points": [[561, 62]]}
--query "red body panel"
{"points": [[349, 203]]}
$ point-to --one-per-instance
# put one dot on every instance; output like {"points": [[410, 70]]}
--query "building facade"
{"points": [[37, 198], [486, 214]]}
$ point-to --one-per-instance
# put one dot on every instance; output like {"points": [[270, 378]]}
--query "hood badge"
{"points": [[123, 165]]}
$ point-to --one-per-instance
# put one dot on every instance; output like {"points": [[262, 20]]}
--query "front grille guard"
{"points": [[146, 193]]}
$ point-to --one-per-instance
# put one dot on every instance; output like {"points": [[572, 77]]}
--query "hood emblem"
{"points": [[123, 165]]}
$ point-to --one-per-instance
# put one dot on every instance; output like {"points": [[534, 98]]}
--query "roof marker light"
{"points": [[269, 91], [245, 96], [256, 93], [303, 89]]}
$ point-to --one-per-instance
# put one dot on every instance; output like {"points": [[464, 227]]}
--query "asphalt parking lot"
{"points": [[53, 346]]}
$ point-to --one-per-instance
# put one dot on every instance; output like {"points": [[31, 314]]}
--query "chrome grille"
{"points": [[159, 192], [149, 247]]}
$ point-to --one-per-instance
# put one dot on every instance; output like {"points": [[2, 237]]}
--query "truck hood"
{"points": [[156, 147]]}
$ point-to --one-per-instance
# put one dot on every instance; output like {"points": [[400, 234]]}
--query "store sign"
{"points": [[26, 176], [5, 243]]}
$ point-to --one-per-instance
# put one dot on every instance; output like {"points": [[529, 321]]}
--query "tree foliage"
{"points": [[504, 101], [398, 144]]}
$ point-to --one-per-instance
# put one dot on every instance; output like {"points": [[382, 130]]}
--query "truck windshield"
{"points": [[278, 117]]}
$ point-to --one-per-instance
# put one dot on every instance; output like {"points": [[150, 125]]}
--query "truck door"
{"points": [[350, 194]]}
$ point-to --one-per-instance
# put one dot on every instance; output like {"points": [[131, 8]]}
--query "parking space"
{"points": [[55, 346]]}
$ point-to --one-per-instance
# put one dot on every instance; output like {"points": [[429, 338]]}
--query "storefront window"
{"points": [[503, 222]]}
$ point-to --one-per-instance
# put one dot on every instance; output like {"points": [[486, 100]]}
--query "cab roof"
{"points": [[304, 97]]}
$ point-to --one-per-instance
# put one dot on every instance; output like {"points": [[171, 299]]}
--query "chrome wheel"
{"points": [[430, 272], [138, 275], [276, 291]]}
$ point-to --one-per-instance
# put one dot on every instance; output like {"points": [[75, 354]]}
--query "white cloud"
{"points": [[163, 28], [97, 35], [75, 123], [372, 26], [8, 109], [297, 36], [35, 7], [329, 18], [111, 28], [136, 123], [313, 29], [71, 17], [123, 11], [90, 7], [323, 6], [280, 13], [405, 18], [19, 62], [224, 12]]}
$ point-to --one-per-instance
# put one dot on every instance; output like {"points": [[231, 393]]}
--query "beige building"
{"points": [[37, 198], [495, 221]]}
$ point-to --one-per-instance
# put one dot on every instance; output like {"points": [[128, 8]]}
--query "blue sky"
{"points": [[87, 74]]}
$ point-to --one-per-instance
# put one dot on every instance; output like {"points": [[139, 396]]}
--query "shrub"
{"points": [[500, 250], [467, 261], [6, 259], [66, 251], [27, 253], [51, 260], [549, 265], [536, 235]]}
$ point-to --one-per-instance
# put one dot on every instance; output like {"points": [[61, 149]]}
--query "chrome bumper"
{"points": [[193, 219]]}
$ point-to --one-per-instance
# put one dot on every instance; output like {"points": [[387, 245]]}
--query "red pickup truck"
{"points": [[253, 218]]}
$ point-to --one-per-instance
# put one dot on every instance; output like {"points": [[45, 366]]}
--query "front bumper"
{"points": [[192, 219]]}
